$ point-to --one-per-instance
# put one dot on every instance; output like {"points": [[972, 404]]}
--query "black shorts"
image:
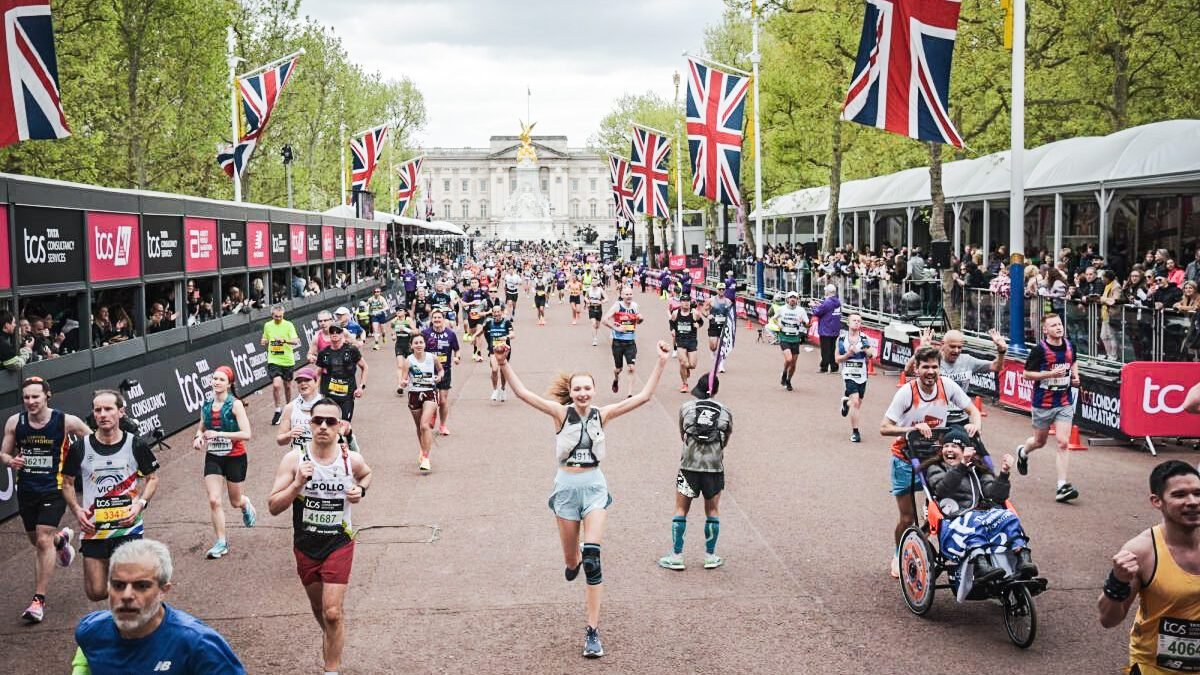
{"points": [[232, 468], [714, 331], [347, 406], [692, 484], [102, 549], [595, 312], [574, 299], [444, 383], [510, 297], [624, 350], [40, 508], [417, 399], [403, 348], [539, 301], [472, 323], [687, 345], [853, 387], [275, 370], [793, 347]]}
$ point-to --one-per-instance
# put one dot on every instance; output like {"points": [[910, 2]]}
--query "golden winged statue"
{"points": [[526, 150]]}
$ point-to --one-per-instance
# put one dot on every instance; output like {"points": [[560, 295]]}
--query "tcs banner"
{"points": [[1015, 390], [1152, 399]]}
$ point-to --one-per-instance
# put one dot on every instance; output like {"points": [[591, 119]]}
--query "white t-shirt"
{"points": [[931, 409], [962, 369]]}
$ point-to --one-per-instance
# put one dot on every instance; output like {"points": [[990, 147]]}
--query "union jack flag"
{"points": [[365, 152], [259, 94], [716, 106], [409, 171], [30, 107], [618, 172], [648, 172], [901, 79]]}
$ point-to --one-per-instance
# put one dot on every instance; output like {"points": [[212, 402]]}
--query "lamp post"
{"points": [[286, 153]]}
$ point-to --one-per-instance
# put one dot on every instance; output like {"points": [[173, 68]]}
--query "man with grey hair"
{"points": [[279, 337], [139, 632], [321, 338], [828, 313]]}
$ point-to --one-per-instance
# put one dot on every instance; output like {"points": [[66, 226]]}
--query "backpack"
{"points": [[705, 428]]}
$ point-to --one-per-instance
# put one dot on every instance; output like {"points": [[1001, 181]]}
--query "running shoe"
{"points": [[1066, 493], [249, 515], [671, 562], [495, 395], [275, 418], [783, 378], [503, 395], [594, 342], [845, 406], [674, 352], [424, 465], [218, 549], [895, 571], [66, 552], [478, 358], [1022, 461], [788, 385], [399, 391], [712, 561], [721, 369], [616, 387], [592, 648], [37, 609], [855, 437], [443, 430], [683, 388], [376, 347]]}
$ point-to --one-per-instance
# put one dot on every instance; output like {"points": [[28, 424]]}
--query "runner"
{"points": [[580, 497], [498, 331], [377, 307], [321, 339], [404, 328], [574, 295], [477, 302], [139, 632], [420, 376], [720, 312], [792, 321], [222, 435], [705, 426], [119, 479], [442, 341], [295, 430], [343, 377], [685, 326], [355, 334], [560, 283], [321, 483], [596, 297], [421, 308], [1159, 567], [539, 300], [279, 337], [623, 318], [35, 442], [854, 350], [1052, 367], [922, 405], [512, 284]]}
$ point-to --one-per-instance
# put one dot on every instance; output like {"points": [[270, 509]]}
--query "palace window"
{"points": [[574, 185], [592, 182], [592, 208], [466, 209], [466, 185], [483, 209], [483, 185], [574, 208], [446, 209], [445, 185]]}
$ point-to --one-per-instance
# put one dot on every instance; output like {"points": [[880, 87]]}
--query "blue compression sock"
{"points": [[712, 530], [678, 526]]}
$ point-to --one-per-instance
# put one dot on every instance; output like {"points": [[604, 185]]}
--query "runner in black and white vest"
{"points": [[852, 352]]}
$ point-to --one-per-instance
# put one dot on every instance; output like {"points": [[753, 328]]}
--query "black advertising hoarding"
{"points": [[339, 243], [233, 243], [313, 245], [162, 250], [360, 242], [280, 253], [49, 246]]}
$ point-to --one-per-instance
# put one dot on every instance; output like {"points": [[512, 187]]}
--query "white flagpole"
{"points": [[342, 165], [231, 47], [758, 227], [1016, 208], [678, 177]]}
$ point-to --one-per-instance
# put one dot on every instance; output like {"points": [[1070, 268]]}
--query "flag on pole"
{"points": [[428, 199], [409, 173], [901, 79], [365, 152], [259, 93], [716, 107], [724, 349], [618, 173], [30, 106], [648, 172]]}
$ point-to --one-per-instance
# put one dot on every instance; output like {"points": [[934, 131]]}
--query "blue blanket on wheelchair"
{"points": [[990, 531]]}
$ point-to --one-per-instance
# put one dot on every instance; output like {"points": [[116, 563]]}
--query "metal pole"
{"points": [[288, 169], [231, 47], [1016, 209], [758, 205], [342, 165], [678, 176]]}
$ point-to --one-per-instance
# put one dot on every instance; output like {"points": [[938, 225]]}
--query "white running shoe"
{"points": [[895, 571], [495, 395], [503, 395]]}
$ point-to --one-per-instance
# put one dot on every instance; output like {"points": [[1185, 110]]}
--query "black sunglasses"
{"points": [[318, 421]]}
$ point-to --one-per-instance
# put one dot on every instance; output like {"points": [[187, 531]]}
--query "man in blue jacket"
{"points": [[829, 325]]}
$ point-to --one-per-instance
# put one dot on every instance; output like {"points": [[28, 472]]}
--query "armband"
{"points": [[1115, 589], [364, 490]]}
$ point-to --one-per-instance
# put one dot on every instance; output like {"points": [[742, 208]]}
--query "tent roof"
{"points": [[440, 226]]}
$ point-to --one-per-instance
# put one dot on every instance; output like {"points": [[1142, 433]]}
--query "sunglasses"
{"points": [[318, 421], [303, 379]]}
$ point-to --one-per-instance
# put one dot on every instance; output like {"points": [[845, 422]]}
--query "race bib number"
{"points": [[500, 340], [854, 368], [275, 347], [1057, 383], [791, 329], [219, 446], [443, 358], [301, 442], [108, 511], [338, 387], [1179, 644], [38, 462], [683, 328], [718, 319], [323, 515]]}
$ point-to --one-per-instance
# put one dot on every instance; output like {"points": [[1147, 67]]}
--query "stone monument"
{"points": [[527, 216]]}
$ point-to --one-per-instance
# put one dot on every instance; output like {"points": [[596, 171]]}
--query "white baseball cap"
{"points": [[340, 311]]}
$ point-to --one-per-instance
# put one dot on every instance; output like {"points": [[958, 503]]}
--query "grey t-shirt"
{"points": [[962, 369], [698, 455]]}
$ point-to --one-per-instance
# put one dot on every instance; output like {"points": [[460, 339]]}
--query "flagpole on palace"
{"points": [[678, 178], [1016, 208], [231, 47], [758, 228]]}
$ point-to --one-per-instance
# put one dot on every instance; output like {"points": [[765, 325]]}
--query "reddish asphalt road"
{"points": [[460, 571]]}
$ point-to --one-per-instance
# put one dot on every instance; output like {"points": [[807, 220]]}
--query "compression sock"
{"points": [[678, 527], [712, 530]]}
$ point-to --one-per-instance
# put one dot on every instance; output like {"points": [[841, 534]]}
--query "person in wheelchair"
{"points": [[977, 526]]}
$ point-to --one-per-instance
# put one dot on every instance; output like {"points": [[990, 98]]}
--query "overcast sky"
{"points": [[472, 59]]}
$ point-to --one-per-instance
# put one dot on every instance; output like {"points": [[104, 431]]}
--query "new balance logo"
{"points": [[162, 666]]}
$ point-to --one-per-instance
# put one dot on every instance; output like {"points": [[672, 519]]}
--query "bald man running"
{"points": [[959, 366]]}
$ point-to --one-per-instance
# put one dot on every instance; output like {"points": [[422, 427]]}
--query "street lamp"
{"points": [[286, 153]]}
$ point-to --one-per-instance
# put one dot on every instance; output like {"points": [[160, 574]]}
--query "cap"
{"points": [[793, 294], [958, 437], [336, 328], [306, 372], [341, 310]]}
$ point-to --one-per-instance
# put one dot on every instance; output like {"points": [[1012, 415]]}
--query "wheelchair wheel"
{"points": [[1020, 616], [917, 572]]}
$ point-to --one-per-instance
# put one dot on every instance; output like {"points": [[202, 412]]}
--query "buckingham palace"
{"points": [[477, 187]]}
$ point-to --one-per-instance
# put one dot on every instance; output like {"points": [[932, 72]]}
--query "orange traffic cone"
{"points": [[749, 323], [979, 406], [870, 367], [903, 379], [1075, 443]]}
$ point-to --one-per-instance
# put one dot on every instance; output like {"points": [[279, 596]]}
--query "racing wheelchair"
{"points": [[922, 563]]}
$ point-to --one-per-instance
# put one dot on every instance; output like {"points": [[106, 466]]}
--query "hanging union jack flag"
{"points": [[901, 79], [30, 107], [618, 173], [716, 106], [365, 152], [259, 93], [409, 171], [648, 172]]}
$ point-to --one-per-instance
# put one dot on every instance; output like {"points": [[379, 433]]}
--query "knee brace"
{"points": [[591, 564]]}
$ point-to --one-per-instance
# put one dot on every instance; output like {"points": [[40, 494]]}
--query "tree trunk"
{"points": [[937, 215], [650, 241], [832, 217], [710, 228]]}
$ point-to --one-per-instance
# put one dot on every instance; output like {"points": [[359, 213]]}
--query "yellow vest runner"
{"points": [[1165, 637]]}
